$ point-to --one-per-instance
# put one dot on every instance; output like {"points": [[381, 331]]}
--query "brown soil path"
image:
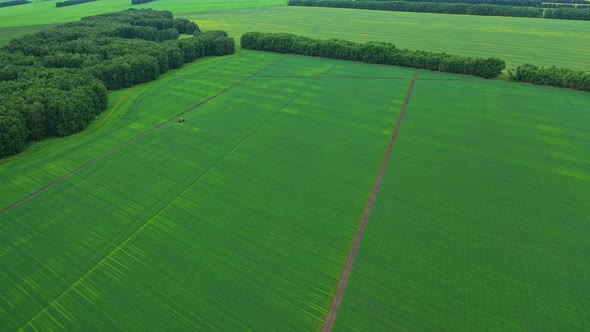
{"points": [[329, 324], [174, 118]]}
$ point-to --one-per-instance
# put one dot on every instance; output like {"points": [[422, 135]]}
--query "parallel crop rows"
{"points": [[240, 217]]}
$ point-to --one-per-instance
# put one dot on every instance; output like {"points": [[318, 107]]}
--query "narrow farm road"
{"points": [[329, 324]]}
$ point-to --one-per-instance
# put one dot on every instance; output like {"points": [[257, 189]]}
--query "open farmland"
{"points": [[45, 12], [483, 219], [243, 217], [268, 231], [24, 19], [515, 40]]}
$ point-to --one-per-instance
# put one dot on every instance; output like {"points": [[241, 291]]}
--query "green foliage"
{"points": [[520, 3], [13, 3], [13, 131], [51, 78], [426, 7], [443, 7], [568, 14], [71, 3], [553, 76], [372, 52]]}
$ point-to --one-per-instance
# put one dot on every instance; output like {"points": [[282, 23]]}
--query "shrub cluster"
{"points": [[451, 8], [372, 52], [71, 3], [139, 2], [553, 76], [54, 82], [14, 3]]}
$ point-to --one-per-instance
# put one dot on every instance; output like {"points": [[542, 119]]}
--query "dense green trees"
{"points": [[560, 77], [568, 14], [13, 3], [71, 3], [372, 52], [426, 7], [444, 7], [54, 83], [139, 2], [519, 3], [13, 132]]}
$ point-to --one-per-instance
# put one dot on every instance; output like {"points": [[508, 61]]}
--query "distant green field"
{"points": [[45, 12], [239, 218], [20, 20], [7, 34], [515, 40], [483, 219]]}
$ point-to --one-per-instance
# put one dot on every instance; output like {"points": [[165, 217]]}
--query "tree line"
{"points": [[139, 2], [55, 82], [451, 8], [426, 7], [568, 14], [71, 3], [553, 76], [566, 5], [518, 3], [14, 3], [372, 52]]}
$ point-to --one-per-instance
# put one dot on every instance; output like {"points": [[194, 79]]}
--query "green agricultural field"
{"points": [[515, 40], [483, 219], [45, 12], [242, 217], [16, 21], [239, 218], [7, 34]]}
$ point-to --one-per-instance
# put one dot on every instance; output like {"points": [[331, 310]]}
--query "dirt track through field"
{"points": [[94, 161], [329, 324]]}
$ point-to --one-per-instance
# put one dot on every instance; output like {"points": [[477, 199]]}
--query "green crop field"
{"points": [[243, 216], [483, 219], [45, 12], [251, 205], [515, 40], [19, 20], [222, 206]]}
